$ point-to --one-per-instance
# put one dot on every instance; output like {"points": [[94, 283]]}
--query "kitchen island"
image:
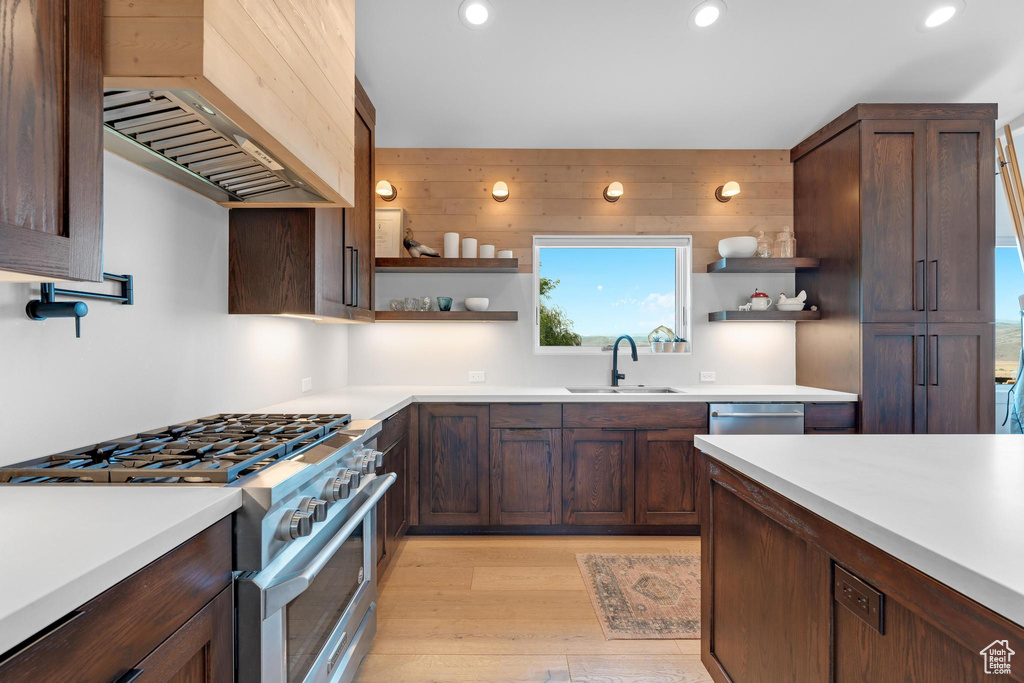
{"points": [[855, 558]]}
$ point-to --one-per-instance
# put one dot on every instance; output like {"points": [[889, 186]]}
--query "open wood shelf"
{"points": [[763, 316], [446, 316], [446, 265], [763, 265]]}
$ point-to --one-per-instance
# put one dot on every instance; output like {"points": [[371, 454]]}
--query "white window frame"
{"points": [[684, 267]]}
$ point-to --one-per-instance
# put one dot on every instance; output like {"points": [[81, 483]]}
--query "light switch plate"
{"points": [[477, 376], [707, 376], [307, 384]]}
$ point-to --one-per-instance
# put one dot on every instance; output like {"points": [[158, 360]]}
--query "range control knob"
{"points": [[340, 487], [354, 480], [295, 525], [316, 508], [366, 464], [378, 458]]}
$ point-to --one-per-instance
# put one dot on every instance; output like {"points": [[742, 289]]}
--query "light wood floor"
{"points": [[512, 608]]}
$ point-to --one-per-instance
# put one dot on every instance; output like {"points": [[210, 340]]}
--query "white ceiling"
{"points": [[631, 73]]}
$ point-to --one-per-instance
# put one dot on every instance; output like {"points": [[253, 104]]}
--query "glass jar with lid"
{"points": [[785, 243]]}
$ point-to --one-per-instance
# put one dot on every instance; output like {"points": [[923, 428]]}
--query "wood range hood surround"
{"points": [[280, 71]]}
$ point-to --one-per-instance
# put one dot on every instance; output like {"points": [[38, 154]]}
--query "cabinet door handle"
{"points": [[348, 294], [355, 257], [933, 288], [933, 360], [130, 675], [919, 361], [919, 281]]}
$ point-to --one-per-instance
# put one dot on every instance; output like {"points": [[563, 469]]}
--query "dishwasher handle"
{"points": [[759, 415]]}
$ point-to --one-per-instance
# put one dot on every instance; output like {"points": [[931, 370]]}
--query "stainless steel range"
{"points": [[306, 584]]}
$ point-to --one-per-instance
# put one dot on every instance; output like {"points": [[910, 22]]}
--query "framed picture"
{"points": [[388, 229]]}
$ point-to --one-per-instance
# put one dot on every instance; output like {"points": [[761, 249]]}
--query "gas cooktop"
{"points": [[212, 450]]}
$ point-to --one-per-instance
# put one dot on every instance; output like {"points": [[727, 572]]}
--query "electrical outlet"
{"points": [[477, 376], [707, 376], [307, 384]]}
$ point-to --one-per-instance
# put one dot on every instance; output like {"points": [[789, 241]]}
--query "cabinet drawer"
{"points": [[829, 417], [635, 415], [394, 428], [116, 630], [526, 415]]}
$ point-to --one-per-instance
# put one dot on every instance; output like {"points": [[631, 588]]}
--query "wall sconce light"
{"points": [[613, 191], [386, 191], [500, 191], [726, 192]]}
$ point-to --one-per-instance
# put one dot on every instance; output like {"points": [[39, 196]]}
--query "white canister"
{"points": [[451, 245], [505, 253], [468, 247], [486, 251]]}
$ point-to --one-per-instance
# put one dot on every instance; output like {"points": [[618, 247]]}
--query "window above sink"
{"points": [[590, 289]]}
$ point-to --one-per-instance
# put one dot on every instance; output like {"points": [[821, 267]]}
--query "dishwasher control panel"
{"points": [[757, 418]]}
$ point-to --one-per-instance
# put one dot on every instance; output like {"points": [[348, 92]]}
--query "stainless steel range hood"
{"points": [[180, 135]]}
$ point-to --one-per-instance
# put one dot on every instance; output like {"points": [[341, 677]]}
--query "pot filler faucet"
{"points": [[616, 375]]}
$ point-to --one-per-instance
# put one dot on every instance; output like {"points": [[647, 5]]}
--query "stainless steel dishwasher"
{"points": [[757, 418]]}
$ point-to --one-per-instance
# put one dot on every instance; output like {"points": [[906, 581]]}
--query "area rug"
{"points": [[644, 596]]}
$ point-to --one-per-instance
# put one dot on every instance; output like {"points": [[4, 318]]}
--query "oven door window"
{"points": [[311, 617]]}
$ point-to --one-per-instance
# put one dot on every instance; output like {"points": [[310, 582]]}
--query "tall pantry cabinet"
{"points": [[898, 202]]}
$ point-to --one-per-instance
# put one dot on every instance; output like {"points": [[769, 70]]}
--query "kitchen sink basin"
{"points": [[623, 390], [647, 390]]}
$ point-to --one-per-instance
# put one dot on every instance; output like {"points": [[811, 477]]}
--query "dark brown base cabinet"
{"points": [[454, 464], [665, 484], [930, 378], [897, 200], [598, 468], [393, 509], [779, 599], [526, 476], [170, 621], [577, 468]]}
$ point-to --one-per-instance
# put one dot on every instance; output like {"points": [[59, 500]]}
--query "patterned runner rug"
{"points": [[644, 596]]}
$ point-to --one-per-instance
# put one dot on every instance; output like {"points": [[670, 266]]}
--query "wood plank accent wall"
{"points": [[559, 191], [284, 70]]}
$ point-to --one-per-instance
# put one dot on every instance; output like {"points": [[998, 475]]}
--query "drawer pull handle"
{"points": [[718, 414], [130, 675]]}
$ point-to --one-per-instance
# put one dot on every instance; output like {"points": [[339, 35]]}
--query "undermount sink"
{"points": [[647, 390], [623, 390]]}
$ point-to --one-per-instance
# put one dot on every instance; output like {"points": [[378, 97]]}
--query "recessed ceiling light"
{"points": [[476, 13], [706, 13], [941, 14]]}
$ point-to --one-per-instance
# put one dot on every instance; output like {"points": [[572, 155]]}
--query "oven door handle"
{"points": [[288, 587]]}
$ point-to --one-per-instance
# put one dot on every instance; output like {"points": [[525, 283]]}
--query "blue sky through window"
{"points": [[1009, 285], [611, 291]]}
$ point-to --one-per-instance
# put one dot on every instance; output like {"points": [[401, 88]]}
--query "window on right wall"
{"points": [[1009, 286]]}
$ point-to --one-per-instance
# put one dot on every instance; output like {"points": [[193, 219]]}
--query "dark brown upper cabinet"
{"points": [[897, 200], [454, 464], [359, 237], [51, 145], [928, 228], [305, 261]]}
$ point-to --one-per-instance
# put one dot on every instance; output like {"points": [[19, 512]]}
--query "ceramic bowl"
{"points": [[477, 303], [738, 247]]}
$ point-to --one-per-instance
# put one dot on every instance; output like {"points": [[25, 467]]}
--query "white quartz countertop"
{"points": [[63, 545], [951, 506], [366, 403]]}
